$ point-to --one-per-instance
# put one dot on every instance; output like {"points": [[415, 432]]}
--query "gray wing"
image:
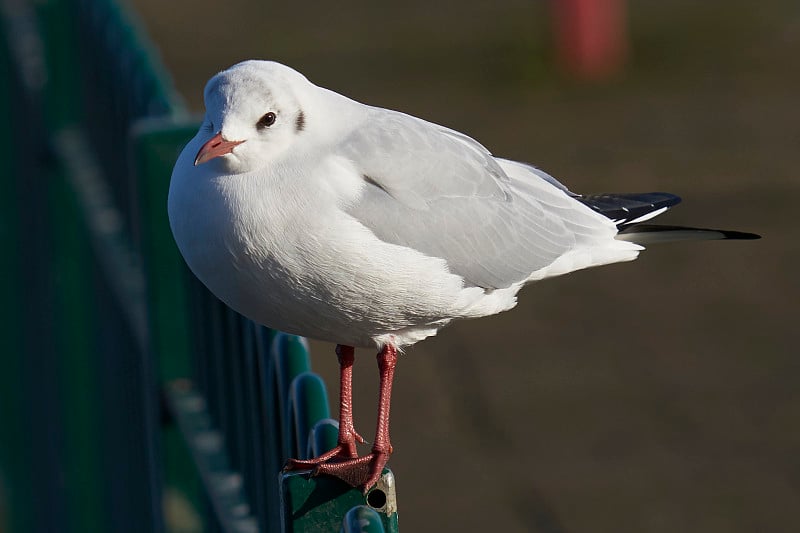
{"points": [[442, 193]]}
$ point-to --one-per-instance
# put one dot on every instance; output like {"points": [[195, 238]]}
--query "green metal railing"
{"points": [[132, 399]]}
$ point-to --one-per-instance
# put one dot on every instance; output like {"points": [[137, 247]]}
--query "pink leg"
{"points": [[346, 448], [365, 471]]}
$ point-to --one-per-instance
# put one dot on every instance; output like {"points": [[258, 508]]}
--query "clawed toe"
{"points": [[361, 472], [340, 452]]}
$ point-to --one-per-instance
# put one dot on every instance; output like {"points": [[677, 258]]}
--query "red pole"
{"points": [[591, 37]]}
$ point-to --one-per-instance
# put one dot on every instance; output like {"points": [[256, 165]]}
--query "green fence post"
{"points": [[324, 436], [156, 144], [362, 519], [308, 402], [78, 360], [72, 284], [319, 503], [155, 147], [14, 452]]}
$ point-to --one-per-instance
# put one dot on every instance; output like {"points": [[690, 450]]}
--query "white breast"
{"points": [[278, 249]]}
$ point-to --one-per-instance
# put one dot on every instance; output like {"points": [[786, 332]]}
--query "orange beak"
{"points": [[215, 147]]}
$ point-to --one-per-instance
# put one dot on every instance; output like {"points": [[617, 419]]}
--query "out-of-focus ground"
{"points": [[656, 396]]}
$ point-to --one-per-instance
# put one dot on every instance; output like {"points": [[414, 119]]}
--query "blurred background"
{"points": [[656, 396]]}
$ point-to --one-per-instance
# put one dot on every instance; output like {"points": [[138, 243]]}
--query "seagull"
{"points": [[320, 216]]}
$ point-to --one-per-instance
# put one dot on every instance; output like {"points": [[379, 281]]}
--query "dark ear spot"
{"points": [[300, 122]]}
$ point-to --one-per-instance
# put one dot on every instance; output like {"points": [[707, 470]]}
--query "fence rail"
{"points": [[137, 401]]}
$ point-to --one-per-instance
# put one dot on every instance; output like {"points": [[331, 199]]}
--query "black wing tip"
{"points": [[740, 235], [657, 228], [630, 212], [630, 208], [657, 198]]}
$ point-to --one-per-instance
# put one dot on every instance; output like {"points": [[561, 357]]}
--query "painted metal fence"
{"points": [[132, 400]]}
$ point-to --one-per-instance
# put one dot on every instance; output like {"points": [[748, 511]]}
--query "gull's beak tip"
{"points": [[216, 146]]}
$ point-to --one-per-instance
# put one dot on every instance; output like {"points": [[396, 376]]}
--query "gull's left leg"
{"points": [[346, 446], [366, 470]]}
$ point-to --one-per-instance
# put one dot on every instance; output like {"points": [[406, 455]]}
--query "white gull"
{"points": [[320, 216]]}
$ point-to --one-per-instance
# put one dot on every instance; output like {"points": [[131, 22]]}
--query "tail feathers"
{"points": [[654, 233], [630, 208]]}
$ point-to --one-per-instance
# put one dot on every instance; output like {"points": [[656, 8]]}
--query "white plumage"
{"points": [[364, 226]]}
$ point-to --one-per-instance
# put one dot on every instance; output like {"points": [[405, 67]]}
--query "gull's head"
{"points": [[253, 116]]}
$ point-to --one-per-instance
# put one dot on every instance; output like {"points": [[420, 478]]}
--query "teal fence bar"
{"points": [[132, 399]]}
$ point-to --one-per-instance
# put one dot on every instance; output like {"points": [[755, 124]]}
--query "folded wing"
{"points": [[442, 193]]}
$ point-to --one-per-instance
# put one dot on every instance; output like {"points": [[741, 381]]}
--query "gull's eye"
{"points": [[266, 121]]}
